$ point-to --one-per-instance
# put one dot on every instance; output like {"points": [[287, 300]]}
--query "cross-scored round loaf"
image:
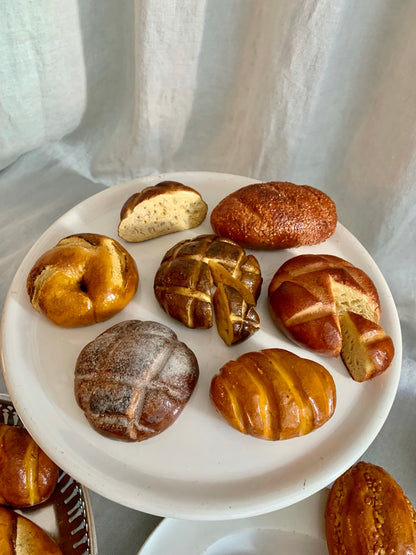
{"points": [[210, 276], [308, 293], [84, 279], [134, 380], [274, 394]]}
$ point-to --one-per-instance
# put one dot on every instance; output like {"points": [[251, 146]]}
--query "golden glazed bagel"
{"points": [[308, 293], [86, 278], [275, 215], [274, 394]]}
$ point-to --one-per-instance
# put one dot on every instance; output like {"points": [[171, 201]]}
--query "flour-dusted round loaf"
{"points": [[86, 278], [134, 380], [209, 276], [163, 208], [274, 394], [275, 215], [308, 293]]}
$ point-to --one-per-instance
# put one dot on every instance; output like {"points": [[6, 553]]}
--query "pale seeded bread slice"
{"points": [[159, 210], [366, 348]]}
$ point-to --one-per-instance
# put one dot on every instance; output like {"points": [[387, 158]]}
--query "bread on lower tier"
{"points": [[134, 380], [367, 350], [367, 512], [27, 475], [21, 536], [274, 394], [275, 215], [163, 208]]}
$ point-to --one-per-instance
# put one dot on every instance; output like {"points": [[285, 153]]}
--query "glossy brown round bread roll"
{"points": [[84, 279], [274, 394], [308, 293], [210, 276], [134, 380], [275, 215], [163, 208], [28, 476], [368, 513], [21, 536]]}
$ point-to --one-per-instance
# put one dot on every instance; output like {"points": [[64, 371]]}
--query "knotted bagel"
{"points": [[308, 293], [210, 276], [84, 279]]}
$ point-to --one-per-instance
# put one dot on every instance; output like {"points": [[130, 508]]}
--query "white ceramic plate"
{"points": [[200, 468], [298, 530]]}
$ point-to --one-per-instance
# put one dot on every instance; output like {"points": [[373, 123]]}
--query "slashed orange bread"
{"points": [[330, 306], [21, 536], [275, 215], [163, 208], [86, 278], [210, 276], [274, 394], [28, 476], [367, 513]]}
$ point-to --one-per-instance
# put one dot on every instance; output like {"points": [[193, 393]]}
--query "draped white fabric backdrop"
{"points": [[321, 92]]}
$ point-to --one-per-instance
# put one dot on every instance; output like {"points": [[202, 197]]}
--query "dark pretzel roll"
{"points": [[185, 280]]}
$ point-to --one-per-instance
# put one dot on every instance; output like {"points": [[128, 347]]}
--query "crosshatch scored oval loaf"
{"points": [[275, 215]]}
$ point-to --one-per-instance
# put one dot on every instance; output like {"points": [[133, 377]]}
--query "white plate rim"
{"points": [[166, 504]]}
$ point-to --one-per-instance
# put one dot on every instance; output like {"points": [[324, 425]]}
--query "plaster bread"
{"points": [[164, 208], [308, 293], [28, 476], [367, 513], [86, 278], [367, 350], [275, 215], [134, 380], [210, 277], [274, 394], [21, 536]]}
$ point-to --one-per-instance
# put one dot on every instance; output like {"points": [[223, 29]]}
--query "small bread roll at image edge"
{"points": [[28, 476], [164, 208], [21, 536]]}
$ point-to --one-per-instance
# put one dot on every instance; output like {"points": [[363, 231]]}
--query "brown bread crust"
{"points": [[28, 476], [187, 275], [367, 513], [86, 278], [275, 215], [21, 536], [274, 394], [307, 294], [134, 380]]}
